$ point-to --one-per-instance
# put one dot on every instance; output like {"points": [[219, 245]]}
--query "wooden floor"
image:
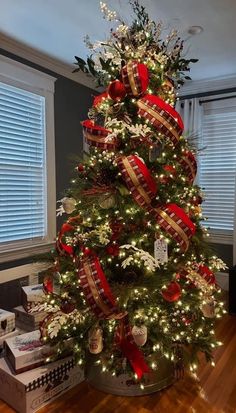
{"points": [[213, 392]]}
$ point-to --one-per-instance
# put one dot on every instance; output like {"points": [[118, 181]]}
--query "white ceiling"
{"points": [[57, 28]]}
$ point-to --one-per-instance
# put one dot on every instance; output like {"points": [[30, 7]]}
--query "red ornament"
{"points": [[135, 77], [80, 167], [116, 90], [113, 249], [87, 251], [67, 306], [48, 285], [172, 292], [99, 99]]}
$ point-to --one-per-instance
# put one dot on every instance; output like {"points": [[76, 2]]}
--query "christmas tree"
{"points": [[133, 277]]}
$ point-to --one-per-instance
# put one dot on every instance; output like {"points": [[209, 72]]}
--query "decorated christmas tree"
{"points": [[133, 278]]}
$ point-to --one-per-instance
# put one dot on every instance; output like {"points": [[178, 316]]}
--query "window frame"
{"points": [[24, 77]]}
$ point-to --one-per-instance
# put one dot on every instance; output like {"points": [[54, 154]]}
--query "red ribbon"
{"points": [[124, 340], [61, 246], [135, 357]]}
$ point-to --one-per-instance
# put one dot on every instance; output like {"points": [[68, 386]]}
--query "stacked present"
{"points": [[25, 370], [27, 316]]}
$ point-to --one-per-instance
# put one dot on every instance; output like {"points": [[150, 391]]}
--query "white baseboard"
{"points": [[222, 279]]}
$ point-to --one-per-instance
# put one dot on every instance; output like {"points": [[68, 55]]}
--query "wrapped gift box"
{"points": [[7, 322], [27, 351], [28, 321], [14, 333], [36, 388], [32, 295]]}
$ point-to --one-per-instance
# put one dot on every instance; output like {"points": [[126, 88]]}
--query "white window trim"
{"points": [[32, 80]]}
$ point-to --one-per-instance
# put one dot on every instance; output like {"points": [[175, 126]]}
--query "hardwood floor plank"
{"points": [[212, 391]]}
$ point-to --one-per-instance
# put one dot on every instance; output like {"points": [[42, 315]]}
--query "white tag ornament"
{"points": [[161, 251]]}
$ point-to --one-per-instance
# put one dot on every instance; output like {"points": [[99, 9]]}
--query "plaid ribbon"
{"points": [[207, 274], [176, 223], [189, 164], [131, 78], [97, 136], [138, 179], [162, 116], [96, 288]]}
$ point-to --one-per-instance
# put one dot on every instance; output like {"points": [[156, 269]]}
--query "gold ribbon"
{"points": [[173, 224], [130, 74], [158, 117], [135, 181]]}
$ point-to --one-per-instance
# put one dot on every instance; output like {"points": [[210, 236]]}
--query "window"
{"points": [[27, 170], [217, 167]]}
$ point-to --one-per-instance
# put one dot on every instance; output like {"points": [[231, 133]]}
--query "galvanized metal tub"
{"points": [[124, 385]]}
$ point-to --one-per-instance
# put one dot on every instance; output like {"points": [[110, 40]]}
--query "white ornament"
{"points": [[161, 251], [95, 340], [208, 309], [68, 204], [140, 335]]}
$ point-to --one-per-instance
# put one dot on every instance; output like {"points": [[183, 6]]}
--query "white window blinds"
{"points": [[22, 166], [217, 164]]}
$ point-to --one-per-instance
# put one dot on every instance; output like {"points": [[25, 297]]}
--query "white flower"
{"points": [[148, 260]]}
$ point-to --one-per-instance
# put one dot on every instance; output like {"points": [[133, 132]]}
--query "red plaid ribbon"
{"points": [[138, 179], [135, 78], [96, 288], [172, 219], [162, 116], [207, 274], [96, 135], [189, 164]]}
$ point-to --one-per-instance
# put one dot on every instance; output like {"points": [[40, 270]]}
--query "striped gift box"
{"points": [[138, 179], [162, 116], [189, 164], [96, 288], [172, 219], [135, 78], [97, 136]]}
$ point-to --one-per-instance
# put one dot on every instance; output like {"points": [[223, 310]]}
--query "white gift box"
{"points": [[28, 392], [27, 351], [32, 295], [7, 322], [14, 333], [28, 321]]}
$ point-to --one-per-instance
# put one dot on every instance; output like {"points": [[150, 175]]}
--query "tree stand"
{"points": [[124, 385]]}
